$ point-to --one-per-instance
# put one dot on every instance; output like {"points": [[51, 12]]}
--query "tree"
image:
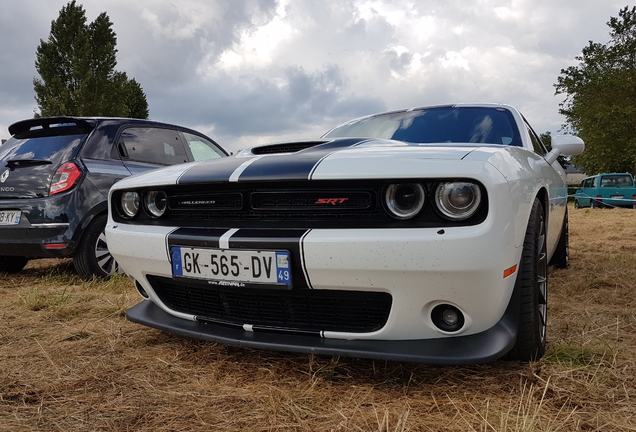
{"points": [[546, 139], [77, 70], [136, 100], [600, 99]]}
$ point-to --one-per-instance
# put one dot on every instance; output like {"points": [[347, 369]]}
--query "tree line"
{"points": [[77, 70], [600, 99]]}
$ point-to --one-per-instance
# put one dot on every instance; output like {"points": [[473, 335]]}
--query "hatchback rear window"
{"points": [[45, 148]]}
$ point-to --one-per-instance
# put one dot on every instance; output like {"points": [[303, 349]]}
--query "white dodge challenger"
{"points": [[418, 235]]}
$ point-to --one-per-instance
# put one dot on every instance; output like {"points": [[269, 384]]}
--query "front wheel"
{"points": [[92, 257], [532, 282], [576, 204]]}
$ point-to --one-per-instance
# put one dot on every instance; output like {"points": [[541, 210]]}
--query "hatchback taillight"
{"points": [[64, 178]]}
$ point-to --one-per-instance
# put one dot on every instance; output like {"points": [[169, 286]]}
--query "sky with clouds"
{"points": [[248, 72]]}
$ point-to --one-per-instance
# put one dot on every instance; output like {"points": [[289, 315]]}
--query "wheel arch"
{"points": [[544, 199], [98, 210]]}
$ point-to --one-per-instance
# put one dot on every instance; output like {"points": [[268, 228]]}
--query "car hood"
{"points": [[326, 159]]}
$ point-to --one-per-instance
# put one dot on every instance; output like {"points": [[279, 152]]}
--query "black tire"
{"points": [[576, 204], [92, 258], [561, 257], [594, 204], [12, 264], [532, 282]]}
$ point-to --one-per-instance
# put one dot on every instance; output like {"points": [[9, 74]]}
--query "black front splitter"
{"points": [[482, 347]]}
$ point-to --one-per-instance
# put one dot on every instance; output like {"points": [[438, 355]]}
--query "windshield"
{"points": [[437, 125]]}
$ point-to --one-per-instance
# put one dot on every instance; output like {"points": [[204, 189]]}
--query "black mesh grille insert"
{"points": [[297, 310]]}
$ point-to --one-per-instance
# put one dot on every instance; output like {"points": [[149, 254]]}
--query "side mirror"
{"points": [[566, 145]]}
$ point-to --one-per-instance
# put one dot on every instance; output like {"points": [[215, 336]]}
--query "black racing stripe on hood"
{"points": [[288, 166], [217, 170], [295, 166]]}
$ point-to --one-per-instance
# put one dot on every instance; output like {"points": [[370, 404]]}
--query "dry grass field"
{"points": [[70, 361]]}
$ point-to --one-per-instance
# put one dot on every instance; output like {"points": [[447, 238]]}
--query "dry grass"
{"points": [[70, 361]]}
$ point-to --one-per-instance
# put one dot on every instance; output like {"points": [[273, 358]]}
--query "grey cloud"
{"points": [[397, 62], [340, 60], [253, 105], [161, 56]]}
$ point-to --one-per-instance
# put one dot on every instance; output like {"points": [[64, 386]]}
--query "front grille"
{"points": [[293, 310], [310, 202], [207, 201], [343, 204]]}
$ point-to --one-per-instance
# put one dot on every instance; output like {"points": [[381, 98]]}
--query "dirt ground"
{"points": [[70, 361]]}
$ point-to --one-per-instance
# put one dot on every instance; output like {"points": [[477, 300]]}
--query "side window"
{"points": [[201, 148], [153, 145], [536, 142]]}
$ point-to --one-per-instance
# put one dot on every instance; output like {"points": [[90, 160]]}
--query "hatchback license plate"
{"points": [[232, 267], [10, 217]]}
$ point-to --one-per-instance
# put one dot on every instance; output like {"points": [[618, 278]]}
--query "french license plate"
{"points": [[617, 196], [232, 267], [10, 217]]}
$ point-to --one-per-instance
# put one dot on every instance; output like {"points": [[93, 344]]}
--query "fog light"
{"points": [[447, 318]]}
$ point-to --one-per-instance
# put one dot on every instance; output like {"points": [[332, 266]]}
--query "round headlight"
{"points": [[129, 204], [457, 200], [156, 203], [405, 200]]}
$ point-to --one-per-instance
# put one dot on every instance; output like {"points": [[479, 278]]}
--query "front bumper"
{"points": [[482, 347], [419, 268]]}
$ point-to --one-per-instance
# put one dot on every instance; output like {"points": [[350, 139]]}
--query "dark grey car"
{"points": [[55, 174]]}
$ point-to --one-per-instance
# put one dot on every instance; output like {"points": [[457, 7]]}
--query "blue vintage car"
{"points": [[606, 190]]}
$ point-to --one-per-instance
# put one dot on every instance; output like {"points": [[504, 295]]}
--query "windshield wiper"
{"points": [[20, 163]]}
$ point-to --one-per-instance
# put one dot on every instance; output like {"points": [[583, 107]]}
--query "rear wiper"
{"points": [[20, 163]]}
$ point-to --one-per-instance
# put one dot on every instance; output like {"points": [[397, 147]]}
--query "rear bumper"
{"points": [[31, 241], [50, 227]]}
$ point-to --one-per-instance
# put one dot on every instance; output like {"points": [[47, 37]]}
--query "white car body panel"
{"points": [[473, 268]]}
